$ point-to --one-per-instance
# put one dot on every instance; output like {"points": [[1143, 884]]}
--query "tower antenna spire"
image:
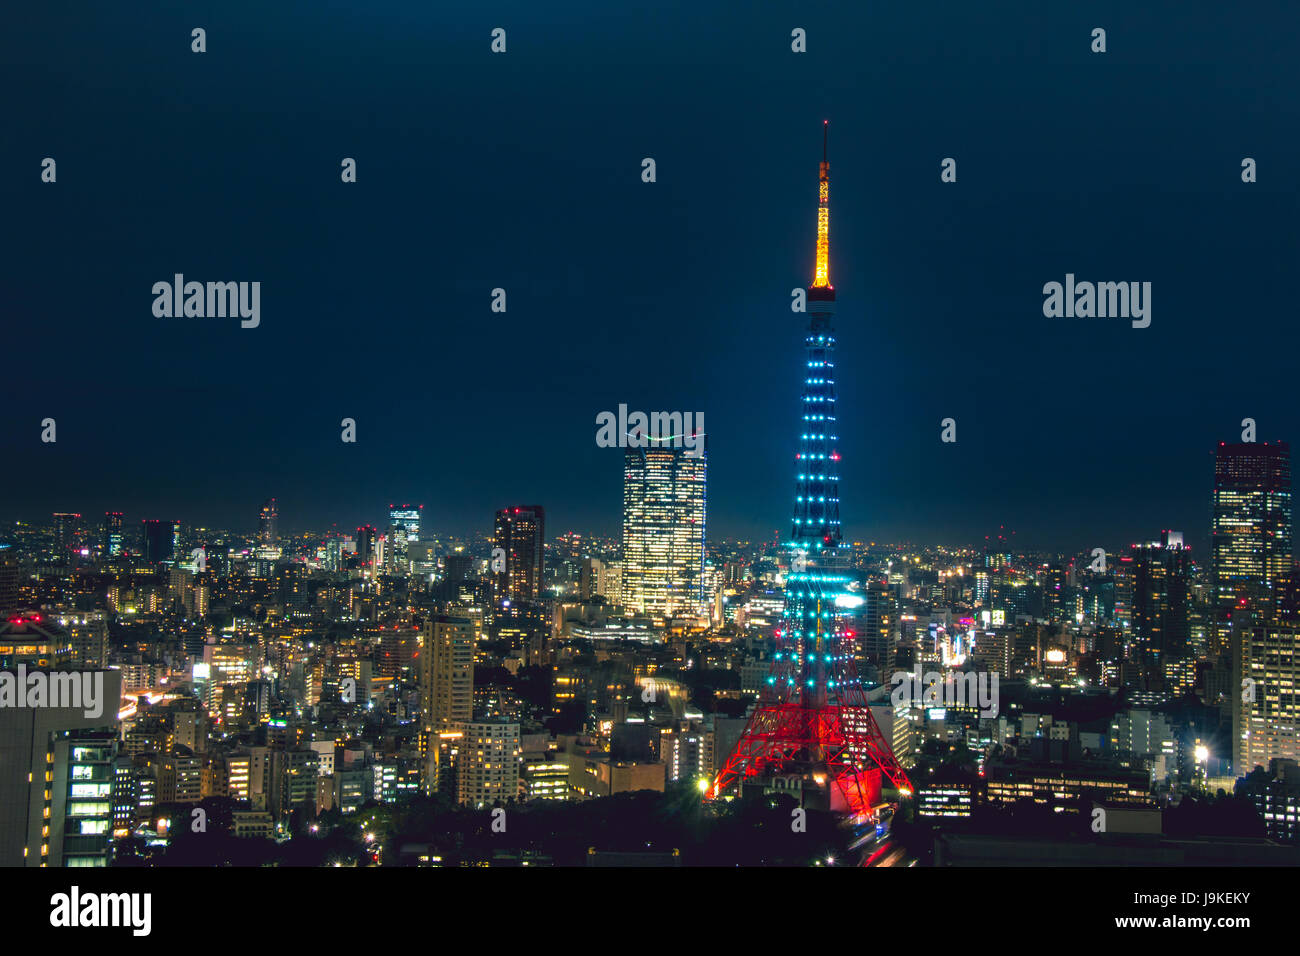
{"points": [[822, 272]]}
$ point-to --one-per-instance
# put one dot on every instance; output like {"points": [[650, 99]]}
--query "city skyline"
{"points": [[1066, 428], [362, 511]]}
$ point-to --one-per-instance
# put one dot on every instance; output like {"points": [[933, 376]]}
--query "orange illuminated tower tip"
{"points": [[822, 270]]}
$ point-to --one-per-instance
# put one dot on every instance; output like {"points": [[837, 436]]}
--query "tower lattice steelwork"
{"points": [[813, 716]]}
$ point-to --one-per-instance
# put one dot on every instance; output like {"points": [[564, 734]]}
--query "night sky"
{"points": [[522, 171]]}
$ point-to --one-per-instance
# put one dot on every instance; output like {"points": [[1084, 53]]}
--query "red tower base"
{"points": [[843, 740]]}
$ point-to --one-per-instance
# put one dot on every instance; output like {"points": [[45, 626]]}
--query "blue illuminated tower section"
{"points": [[817, 590], [817, 495]]}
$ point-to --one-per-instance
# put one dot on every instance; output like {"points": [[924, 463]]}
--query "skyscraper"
{"points": [[366, 539], [664, 503], [877, 637], [520, 535], [268, 530], [1251, 552], [1161, 576], [112, 542], [160, 539], [403, 529], [1250, 535], [1265, 695], [446, 669], [447, 672], [66, 527]]}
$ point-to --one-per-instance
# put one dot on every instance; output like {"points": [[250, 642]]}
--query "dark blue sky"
{"points": [[522, 171]]}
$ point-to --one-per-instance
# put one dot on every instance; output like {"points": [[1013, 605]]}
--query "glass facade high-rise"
{"points": [[1161, 594], [403, 530], [1251, 574], [112, 542], [664, 507], [1250, 535], [90, 758]]}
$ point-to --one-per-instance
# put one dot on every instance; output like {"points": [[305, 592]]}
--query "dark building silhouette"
{"points": [[520, 536], [159, 539], [1160, 597]]}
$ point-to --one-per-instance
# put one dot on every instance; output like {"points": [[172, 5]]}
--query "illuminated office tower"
{"points": [[160, 539], [521, 535], [403, 529], [446, 669], [1250, 534], [268, 523], [1265, 696], [663, 531], [1161, 574], [333, 553], [89, 759], [112, 543], [543, 775], [488, 764]]}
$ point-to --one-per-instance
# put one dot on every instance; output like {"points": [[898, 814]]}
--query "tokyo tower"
{"points": [[812, 719]]}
